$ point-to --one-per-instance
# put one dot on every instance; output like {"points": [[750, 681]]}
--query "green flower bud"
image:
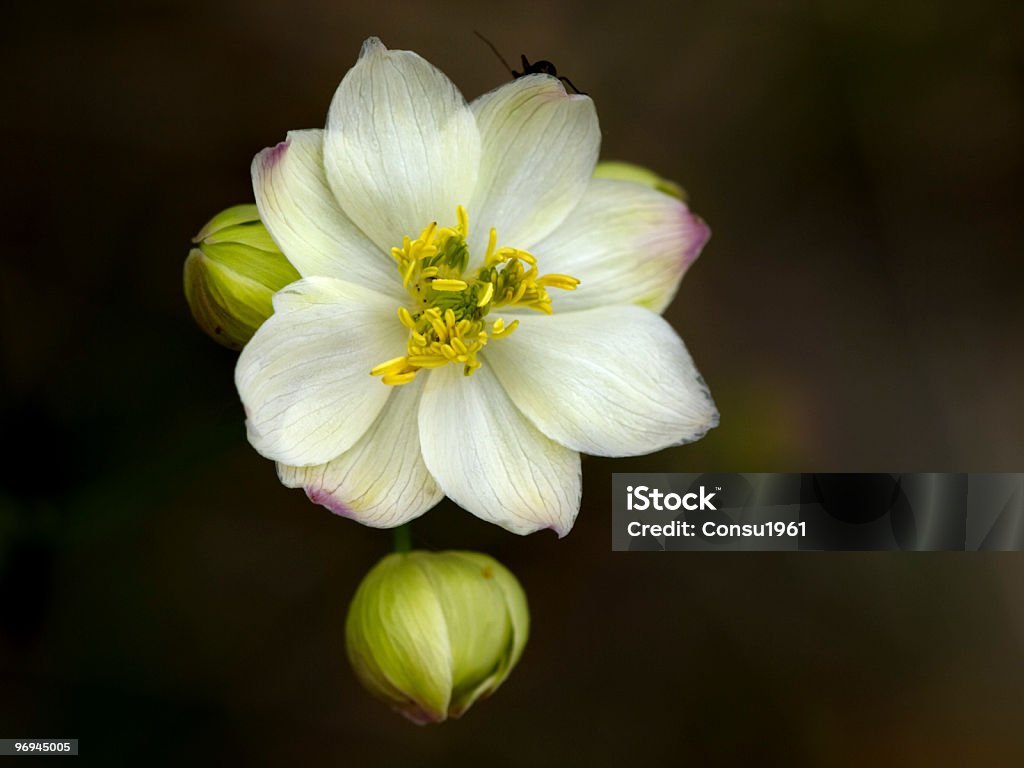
{"points": [[231, 277], [630, 172], [431, 632]]}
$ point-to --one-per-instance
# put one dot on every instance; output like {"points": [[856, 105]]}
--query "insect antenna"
{"points": [[496, 53]]}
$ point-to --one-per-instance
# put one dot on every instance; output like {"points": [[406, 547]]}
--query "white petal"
{"points": [[381, 481], [401, 148], [490, 460], [299, 210], [305, 376], [627, 243], [539, 147], [615, 381]]}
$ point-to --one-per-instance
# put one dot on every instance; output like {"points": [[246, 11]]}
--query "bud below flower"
{"points": [[629, 172], [431, 632], [231, 277]]}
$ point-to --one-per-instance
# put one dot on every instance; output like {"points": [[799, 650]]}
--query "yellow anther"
{"points": [[395, 379], [405, 318], [448, 285], [407, 274], [554, 280], [504, 330], [427, 235], [460, 214], [492, 241], [438, 326], [427, 361], [393, 365], [485, 295]]}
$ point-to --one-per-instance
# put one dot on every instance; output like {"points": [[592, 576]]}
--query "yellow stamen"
{"points": [[427, 361], [427, 235], [500, 333], [407, 275], [439, 327], [485, 295], [492, 241], [451, 286], [395, 379], [391, 366], [554, 280]]}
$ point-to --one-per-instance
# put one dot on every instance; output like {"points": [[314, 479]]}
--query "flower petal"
{"points": [[538, 150], [381, 481], [397, 642], [401, 147], [518, 613], [627, 243], [305, 376], [490, 460], [299, 210], [615, 381]]}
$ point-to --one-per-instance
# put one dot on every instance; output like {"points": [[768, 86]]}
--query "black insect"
{"points": [[542, 67]]}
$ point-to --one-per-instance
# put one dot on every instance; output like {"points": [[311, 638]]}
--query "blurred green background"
{"points": [[166, 601]]}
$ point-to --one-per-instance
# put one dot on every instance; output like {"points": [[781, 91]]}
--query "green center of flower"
{"points": [[449, 305]]}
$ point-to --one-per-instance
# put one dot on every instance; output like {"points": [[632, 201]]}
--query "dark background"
{"points": [[166, 601]]}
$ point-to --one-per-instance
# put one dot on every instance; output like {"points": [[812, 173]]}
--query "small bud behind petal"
{"points": [[629, 172], [430, 633], [232, 275]]}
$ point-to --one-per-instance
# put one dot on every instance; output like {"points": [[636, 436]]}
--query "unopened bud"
{"points": [[630, 172], [430, 633], [232, 275]]}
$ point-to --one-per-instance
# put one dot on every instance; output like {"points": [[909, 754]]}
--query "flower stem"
{"points": [[403, 538]]}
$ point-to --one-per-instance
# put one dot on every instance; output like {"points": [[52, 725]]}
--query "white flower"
{"points": [[389, 215]]}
